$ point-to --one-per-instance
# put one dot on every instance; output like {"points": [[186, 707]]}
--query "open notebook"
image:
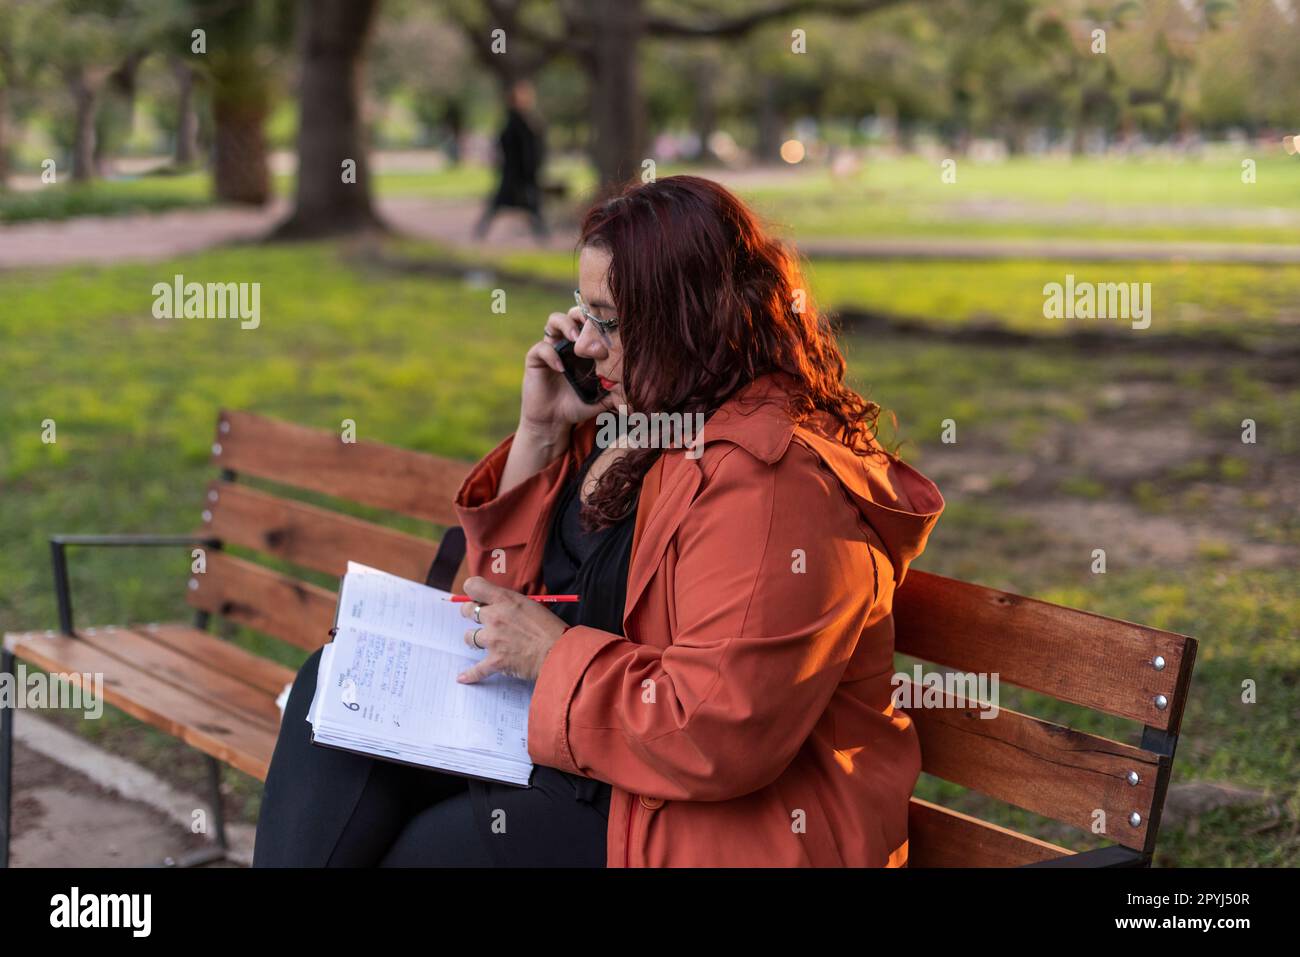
{"points": [[387, 684]]}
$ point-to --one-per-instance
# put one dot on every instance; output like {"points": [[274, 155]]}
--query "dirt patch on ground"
{"points": [[1123, 529], [63, 819], [175, 762], [1134, 479]]}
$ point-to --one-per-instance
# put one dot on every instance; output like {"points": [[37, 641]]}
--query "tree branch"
{"points": [[738, 26], [536, 49]]}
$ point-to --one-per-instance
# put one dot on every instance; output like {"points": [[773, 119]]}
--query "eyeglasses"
{"points": [[606, 327]]}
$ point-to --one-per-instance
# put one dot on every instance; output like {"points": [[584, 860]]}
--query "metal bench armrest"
{"points": [[58, 553]]}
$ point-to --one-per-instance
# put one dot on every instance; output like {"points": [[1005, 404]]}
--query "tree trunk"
{"points": [[705, 111], [240, 103], [239, 168], [187, 118], [4, 141], [86, 97], [887, 117], [116, 108], [331, 130], [770, 126], [617, 111]]}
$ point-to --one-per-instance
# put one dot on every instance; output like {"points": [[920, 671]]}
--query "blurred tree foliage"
{"points": [[611, 76]]}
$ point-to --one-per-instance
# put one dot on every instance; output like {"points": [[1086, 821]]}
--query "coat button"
{"points": [[650, 803]]}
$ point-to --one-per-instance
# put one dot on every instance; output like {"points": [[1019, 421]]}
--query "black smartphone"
{"points": [[580, 372]]}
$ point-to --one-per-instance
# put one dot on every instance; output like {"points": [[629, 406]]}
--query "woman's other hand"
{"points": [[516, 631]]}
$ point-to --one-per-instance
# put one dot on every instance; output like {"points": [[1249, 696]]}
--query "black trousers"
{"points": [[323, 807], [531, 204]]}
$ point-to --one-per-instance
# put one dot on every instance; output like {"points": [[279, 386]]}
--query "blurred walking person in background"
{"points": [[522, 151]]}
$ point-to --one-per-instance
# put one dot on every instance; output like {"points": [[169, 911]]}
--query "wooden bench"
{"points": [[220, 698]]}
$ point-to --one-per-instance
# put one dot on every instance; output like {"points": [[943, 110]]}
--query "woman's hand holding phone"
{"points": [[550, 406]]}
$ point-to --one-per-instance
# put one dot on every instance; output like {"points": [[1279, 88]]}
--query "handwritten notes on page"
{"points": [[387, 685]]}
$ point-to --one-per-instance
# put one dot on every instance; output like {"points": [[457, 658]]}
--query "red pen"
{"points": [[547, 599]]}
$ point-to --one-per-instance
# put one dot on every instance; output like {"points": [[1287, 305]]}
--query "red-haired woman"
{"points": [[721, 694]]}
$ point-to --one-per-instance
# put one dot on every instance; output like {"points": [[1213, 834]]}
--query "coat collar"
{"points": [[754, 419], [899, 503]]}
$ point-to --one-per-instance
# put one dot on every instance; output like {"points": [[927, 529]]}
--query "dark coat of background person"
{"points": [[522, 155]]}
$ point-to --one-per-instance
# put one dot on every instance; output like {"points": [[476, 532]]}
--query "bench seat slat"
{"points": [[1100, 663], [254, 670], [229, 737], [312, 537], [140, 651], [941, 837], [372, 473]]}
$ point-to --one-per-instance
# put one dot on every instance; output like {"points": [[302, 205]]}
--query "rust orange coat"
{"points": [[745, 719]]}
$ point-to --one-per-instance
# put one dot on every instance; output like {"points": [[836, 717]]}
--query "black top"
{"points": [[593, 565]]}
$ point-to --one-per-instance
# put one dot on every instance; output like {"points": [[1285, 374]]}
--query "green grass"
{"points": [[1022, 198], [1252, 304], [425, 363], [1212, 181], [158, 192], [1238, 300], [66, 200], [1035, 197]]}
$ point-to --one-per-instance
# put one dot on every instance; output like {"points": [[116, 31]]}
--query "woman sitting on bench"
{"points": [[721, 693]]}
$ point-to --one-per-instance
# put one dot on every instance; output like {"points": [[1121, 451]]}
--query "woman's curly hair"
{"points": [[708, 302]]}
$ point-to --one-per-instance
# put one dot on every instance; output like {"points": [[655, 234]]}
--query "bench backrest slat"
{"points": [[1046, 768], [292, 610], [941, 837], [372, 473], [312, 537], [1101, 663]]}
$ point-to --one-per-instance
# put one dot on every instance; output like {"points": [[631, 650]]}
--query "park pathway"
{"points": [[154, 236]]}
